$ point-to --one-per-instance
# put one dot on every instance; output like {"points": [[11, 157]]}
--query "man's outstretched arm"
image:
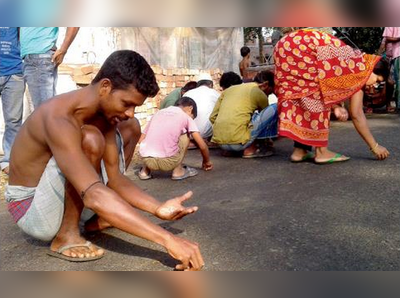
{"points": [[120, 214], [170, 210]]}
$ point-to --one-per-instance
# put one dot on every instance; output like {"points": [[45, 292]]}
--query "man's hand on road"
{"points": [[187, 252]]}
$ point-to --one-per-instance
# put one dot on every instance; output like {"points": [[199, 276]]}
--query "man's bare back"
{"points": [[243, 66], [245, 63]]}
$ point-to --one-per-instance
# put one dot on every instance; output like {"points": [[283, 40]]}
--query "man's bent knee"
{"points": [[93, 142], [130, 130], [44, 234]]}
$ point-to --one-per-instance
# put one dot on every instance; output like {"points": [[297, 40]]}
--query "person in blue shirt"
{"points": [[12, 89], [42, 58]]}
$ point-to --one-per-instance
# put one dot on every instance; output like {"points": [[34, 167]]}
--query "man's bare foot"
{"points": [[78, 252], [96, 224], [178, 171], [250, 150]]}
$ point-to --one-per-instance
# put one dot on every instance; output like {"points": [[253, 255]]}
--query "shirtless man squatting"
{"points": [[70, 156]]}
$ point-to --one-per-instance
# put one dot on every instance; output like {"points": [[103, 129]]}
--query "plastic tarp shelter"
{"points": [[186, 47]]}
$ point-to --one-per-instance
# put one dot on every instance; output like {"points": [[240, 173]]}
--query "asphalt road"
{"points": [[262, 214]]}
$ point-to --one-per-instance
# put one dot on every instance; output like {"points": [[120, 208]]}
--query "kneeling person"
{"points": [[165, 140], [243, 120]]}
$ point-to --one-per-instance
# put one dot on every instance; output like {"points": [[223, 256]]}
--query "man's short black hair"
{"points": [[207, 83], [187, 102], [125, 68], [244, 51], [228, 79], [265, 76]]}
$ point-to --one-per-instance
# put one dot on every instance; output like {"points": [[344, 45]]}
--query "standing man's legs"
{"points": [[396, 75], [12, 94], [41, 76]]}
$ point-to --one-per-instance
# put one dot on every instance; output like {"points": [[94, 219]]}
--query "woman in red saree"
{"points": [[315, 72]]}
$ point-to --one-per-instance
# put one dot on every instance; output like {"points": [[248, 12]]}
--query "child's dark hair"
{"points": [[187, 102], [229, 79], [382, 68], [189, 86], [264, 76], [125, 68], [244, 51]]}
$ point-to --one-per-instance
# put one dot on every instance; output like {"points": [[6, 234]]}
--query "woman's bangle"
{"points": [[373, 149]]}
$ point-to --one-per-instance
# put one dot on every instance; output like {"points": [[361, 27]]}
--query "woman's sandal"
{"points": [[337, 158]]}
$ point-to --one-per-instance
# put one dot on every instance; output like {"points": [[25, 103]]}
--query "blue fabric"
{"points": [[41, 76], [10, 59], [396, 78], [265, 126], [37, 40], [10, 11], [12, 94], [39, 12]]}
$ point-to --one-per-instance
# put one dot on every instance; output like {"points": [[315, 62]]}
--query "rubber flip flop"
{"points": [[258, 153], [59, 253], [189, 172], [308, 157], [333, 160]]}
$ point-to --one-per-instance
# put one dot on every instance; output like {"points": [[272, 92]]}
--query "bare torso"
{"points": [[243, 66], [31, 151]]}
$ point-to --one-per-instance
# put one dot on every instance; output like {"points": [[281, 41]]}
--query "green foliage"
{"points": [[251, 33], [368, 39]]}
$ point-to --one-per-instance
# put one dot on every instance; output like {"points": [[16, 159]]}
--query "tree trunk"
{"points": [[261, 47]]}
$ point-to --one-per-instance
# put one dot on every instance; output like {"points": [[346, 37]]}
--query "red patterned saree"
{"points": [[315, 70]]}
